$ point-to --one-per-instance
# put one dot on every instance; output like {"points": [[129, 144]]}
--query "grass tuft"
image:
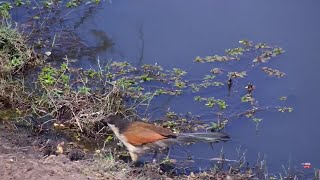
{"points": [[15, 53]]}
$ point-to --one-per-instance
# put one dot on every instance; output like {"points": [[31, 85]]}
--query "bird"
{"points": [[140, 137]]}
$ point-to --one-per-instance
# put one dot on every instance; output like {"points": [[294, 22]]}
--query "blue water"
{"points": [[172, 33]]}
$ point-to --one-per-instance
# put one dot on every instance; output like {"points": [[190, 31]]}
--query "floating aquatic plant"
{"points": [[273, 72], [246, 50]]}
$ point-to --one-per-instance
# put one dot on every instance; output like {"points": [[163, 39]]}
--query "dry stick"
{"points": [[54, 40], [45, 123], [45, 19], [90, 114], [53, 102], [149, 102], [38, 7], [77, 121], [100, 69]]}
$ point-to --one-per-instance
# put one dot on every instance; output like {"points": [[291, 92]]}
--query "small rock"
{"points": [[48, 53], [229, 177], [192, 175], [76, 154]]}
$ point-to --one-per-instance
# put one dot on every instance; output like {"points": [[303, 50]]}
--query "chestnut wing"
{"points": [[139, 133]]}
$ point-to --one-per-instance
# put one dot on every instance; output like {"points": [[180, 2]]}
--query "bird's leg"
{"points": [[135, 158], [155, 156]]}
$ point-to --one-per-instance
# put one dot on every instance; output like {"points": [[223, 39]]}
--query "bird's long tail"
{"points": [[202, 137]]}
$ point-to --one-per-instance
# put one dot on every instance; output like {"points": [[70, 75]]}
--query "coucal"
{"points": [[140, 137]]}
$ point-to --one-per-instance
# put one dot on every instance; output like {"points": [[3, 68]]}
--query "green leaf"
{"points": [[247, 98], [285, 109], [257, 120], [283, 98]]}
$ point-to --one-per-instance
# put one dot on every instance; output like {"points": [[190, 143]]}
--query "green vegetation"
{"points": [[15, 53], [4, 9], [16, 57]]}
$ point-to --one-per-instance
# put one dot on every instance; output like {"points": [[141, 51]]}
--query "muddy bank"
{"points": [[21, 156], [27, 156]]}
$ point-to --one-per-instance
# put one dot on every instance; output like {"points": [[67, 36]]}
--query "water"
{"points": [[173, 33]]}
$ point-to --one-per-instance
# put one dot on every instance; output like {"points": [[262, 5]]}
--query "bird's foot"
{"points": [[136, 164]]}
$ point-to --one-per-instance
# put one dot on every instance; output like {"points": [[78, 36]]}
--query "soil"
{"points": [[24, 155]]}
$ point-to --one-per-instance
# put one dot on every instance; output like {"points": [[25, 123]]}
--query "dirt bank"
{"points": [[22, 156]]}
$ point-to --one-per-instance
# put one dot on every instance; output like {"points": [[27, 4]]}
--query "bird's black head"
{"points": [[118, 121]]}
